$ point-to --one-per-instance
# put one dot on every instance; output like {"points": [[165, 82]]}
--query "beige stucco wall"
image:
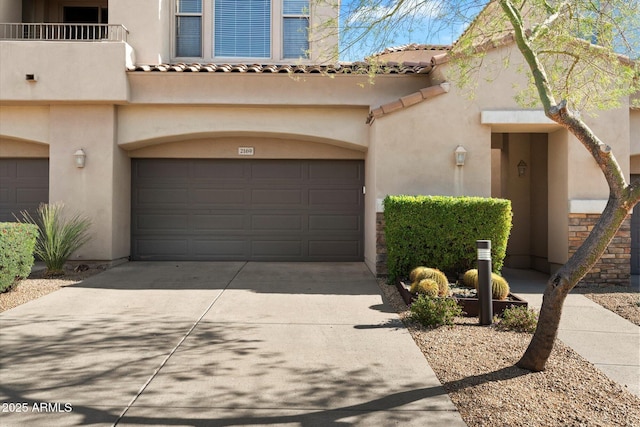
{"points": [[264, 148], [634, 135], [100, 190], [558, 197], [21, 149], [10, 11], [149, 25], [65, 71], [141, 126], [25, 123]]}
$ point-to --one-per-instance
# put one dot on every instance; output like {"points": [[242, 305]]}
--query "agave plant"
{"points": [[59, 237]]}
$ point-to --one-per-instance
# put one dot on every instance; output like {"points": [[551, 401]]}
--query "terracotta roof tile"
{"points": [[408, 100], [346, 68], [413, 46]]}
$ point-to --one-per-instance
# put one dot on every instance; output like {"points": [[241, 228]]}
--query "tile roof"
{"points": [[412, 47], [345, 68], [408, 101]]}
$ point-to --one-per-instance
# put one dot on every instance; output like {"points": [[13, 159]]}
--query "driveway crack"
{"points": [[177, 346]]}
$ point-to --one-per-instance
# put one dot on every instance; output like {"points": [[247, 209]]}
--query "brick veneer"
{"points": [[614, 267]]}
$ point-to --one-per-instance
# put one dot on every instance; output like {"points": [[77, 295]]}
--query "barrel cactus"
{"points": [[417, 274], [470, 279], [427, 287], [421, 273], [499, 287]]}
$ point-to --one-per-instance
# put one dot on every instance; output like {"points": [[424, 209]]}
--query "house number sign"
{"points": [[245, 151]]}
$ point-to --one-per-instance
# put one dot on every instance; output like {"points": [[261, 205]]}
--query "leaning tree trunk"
{"points": [[622, 198]]}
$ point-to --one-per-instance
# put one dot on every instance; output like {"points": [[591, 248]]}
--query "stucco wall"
{"points": [[634, 135], [21, 149], [25, 123], [10, 11], [64, 71], [141, 126], [99, 190], [149, 25], [558, 197]]}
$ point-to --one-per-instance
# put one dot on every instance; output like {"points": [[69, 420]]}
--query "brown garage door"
{"points": [[24, 184], [262, 210]]}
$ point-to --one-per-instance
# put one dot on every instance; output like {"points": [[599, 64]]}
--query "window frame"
{"points": [[286, 16], [174, 26], [208, 33]]}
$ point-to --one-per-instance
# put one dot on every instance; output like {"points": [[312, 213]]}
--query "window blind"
{"points": [[242, 28], [295, 37], [189, 28]]}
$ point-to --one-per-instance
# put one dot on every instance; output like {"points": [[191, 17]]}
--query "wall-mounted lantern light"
{"points": [[460, 154], [80, 158], [522, 168]]}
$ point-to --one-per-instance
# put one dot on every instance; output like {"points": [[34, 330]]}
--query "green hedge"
{"points": [[17, 242], [441, 232]]}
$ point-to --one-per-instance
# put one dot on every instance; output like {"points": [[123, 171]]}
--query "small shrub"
{"points": [[427, 287], [432, 312], [518, 318], [17, 242], [59, 236]]}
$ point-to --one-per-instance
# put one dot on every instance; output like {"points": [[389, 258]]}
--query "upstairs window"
{"points": [[295, 29], [242, 28], [246, 29], [189, 28]]}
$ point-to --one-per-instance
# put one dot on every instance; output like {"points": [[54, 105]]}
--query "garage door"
{"points": [[262, 210], [24, 184]]}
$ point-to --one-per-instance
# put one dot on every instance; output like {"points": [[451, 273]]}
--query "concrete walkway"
{"points": [[217, 344], [605, 339]]}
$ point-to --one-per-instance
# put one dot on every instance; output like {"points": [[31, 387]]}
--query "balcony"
{"points": [[64, 32], [57, 62]]}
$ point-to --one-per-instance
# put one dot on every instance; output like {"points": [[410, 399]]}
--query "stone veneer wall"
{"points": [[381, 247], [614, 267]]}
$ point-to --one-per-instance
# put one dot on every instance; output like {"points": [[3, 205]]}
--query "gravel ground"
{"points": [[622, 300], [37, 286], [476, 367]]}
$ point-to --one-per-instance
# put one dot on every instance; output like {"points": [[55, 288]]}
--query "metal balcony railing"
{"points": [[64, 32]]}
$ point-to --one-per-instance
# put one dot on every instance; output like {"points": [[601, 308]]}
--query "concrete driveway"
{"points": [[216, 344]]}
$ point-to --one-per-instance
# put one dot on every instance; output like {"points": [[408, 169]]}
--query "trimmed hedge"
{"points": [[17, 242], [441, 232]]}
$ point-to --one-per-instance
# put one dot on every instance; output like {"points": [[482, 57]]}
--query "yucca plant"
{"points": [[59, 237]]}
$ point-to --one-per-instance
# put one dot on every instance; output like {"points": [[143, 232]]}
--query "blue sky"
{"points": [[419, 25]]}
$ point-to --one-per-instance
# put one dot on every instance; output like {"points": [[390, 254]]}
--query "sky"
{"points": [[420, 23]]}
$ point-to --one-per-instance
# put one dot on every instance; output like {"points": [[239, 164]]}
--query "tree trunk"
{"points": [[567, 277]]}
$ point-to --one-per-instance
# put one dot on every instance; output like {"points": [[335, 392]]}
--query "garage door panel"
{"points": [[203, 249], [277, 170], [249, 210], [219, 197], [333, 248], [225, 170], [24, 185], [276, 197], [335, 197], [218, 222], [151, 248], [335, 171], [335, 222], [157, 196], [163, 169], [277, 222], [274, 249], [168, 222]]}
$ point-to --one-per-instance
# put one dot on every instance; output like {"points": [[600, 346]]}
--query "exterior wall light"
{"points": [[522, 168], [460, 155], [80, 158]]}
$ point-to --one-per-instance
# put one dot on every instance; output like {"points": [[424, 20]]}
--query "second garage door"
{"points": [[271, 210]]}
